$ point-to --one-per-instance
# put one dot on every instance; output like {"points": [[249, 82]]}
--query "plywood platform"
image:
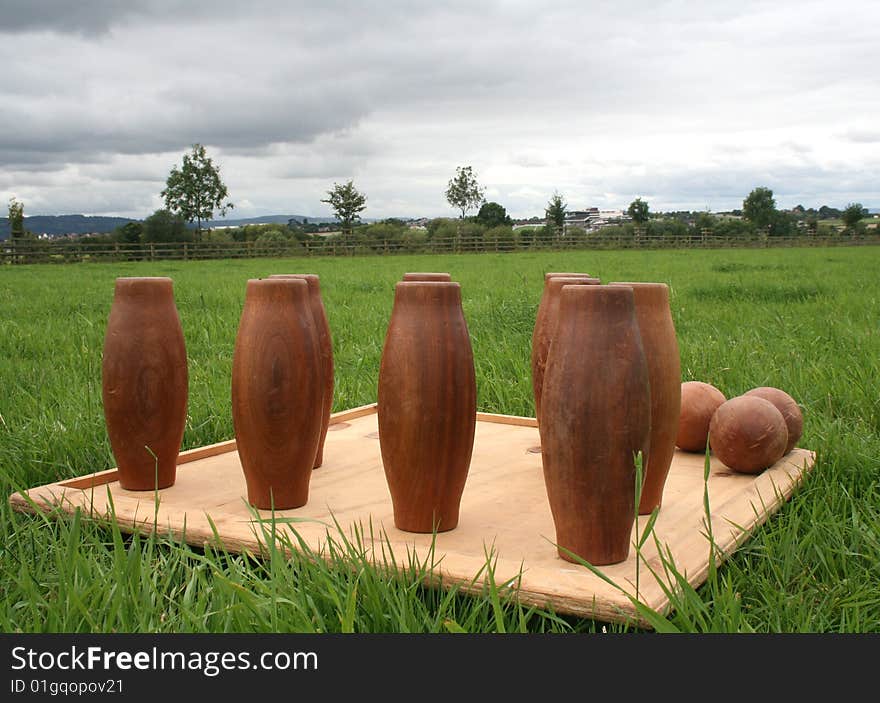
{"points": [[504, 512]]}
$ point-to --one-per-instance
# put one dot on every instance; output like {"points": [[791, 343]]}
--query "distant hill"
{"points": [[56, 225], [276, 220], [267, 220]]}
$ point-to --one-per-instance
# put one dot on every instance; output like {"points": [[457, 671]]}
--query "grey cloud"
{"points": [[81, 17], [96, 17], [77, 133], [323, 164], [326, 90], [797, 147], [726, 187], [529, 160], [862, 136], [92, 18]]}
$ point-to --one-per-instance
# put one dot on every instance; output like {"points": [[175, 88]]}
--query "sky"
{"points": [[688, 105]]}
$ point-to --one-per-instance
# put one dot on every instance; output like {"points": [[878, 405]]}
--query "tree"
{"points": [[385, 232], [130, 232], [759, 208], [853, 214], [347, 203], [638, 211], [273, 241], [493, 215], [500, 238], [555, 213], [16, 218], [442, 232], [469, 236], [704, 221], [195, 190], [463, 191], [164, 226]]}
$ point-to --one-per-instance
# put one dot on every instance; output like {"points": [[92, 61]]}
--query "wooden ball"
{"points": [[748, 434], [791, 412], [699, 401]]}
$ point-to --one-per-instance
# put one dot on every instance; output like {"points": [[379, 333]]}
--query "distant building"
{"points": [[592, 218], [583, 219]]}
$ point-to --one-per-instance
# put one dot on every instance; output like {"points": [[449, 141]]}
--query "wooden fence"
{"points": [[72, 250]]}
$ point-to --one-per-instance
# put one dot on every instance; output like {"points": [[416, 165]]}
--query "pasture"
{"points": [[804, 320]]}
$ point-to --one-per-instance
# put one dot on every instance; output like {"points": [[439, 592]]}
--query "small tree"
{"points": [[493, 215], [555, 213], [195, 190], [638, 211], [704, 221], [469, 236], [442, 232], [16, 218], [164, 226], [385, 232], [464, 192], [759, 208], [501, 238], [273, 241], [853, 214], [347, 204], [130, 232]]}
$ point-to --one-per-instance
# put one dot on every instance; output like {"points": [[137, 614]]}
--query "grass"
{"points": [[805, 320]]}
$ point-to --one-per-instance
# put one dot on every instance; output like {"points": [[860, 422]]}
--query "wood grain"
{"points": [[144, 381], [427, 404], [277, 392], [546, 318], [664, 372], [596, 418], [325, 342], [426, 276]]}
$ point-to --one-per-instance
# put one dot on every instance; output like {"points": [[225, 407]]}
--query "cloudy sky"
{"points": [[686, 104]]}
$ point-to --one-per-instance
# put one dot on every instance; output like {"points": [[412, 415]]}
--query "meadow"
{"points": [[804, 320]]}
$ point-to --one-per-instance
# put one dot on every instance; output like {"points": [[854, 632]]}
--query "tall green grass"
{"points": [[805, 320]]}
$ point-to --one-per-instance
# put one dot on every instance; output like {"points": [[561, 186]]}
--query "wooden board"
{"points": [[504, 514]]}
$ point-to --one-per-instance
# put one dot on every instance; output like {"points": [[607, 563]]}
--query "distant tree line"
{"points": [[759, 217], [195, 191], [491, 229]]}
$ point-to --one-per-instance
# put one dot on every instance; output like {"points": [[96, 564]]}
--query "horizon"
{"points": [[327, 216]]}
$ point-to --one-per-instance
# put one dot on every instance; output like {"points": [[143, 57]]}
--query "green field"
{"points": [[804, 320]]}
